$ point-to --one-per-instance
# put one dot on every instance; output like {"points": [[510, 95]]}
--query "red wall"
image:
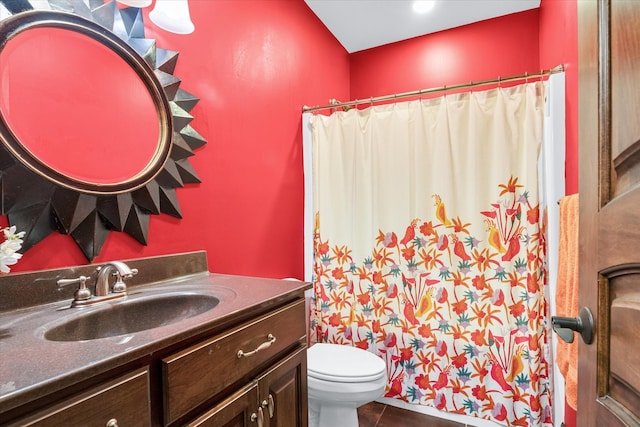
{"points": [[485, 50], [254, 64]]}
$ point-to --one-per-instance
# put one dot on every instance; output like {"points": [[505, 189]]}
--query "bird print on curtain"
{"points": [[458, 318]]}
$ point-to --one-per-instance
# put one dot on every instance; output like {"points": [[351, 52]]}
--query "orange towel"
{"points": [[567, 293]]}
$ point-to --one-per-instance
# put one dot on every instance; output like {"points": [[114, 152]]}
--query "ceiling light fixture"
{"points": [[170, 15], [135, 3], [423, 6]]}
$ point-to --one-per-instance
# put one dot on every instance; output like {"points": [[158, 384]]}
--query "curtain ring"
{"points": [[499, 82], [526, 77]]}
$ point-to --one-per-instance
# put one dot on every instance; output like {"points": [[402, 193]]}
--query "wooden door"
{"points": [[283, 392], [609, 139]]}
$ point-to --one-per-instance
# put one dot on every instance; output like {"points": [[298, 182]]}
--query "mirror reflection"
{"points": [[62, 107]]}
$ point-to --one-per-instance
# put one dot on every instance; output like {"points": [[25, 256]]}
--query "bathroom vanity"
{"points": [[184, 347]]}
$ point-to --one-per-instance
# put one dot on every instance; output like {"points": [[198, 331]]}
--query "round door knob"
{"points": [[566, 326]]}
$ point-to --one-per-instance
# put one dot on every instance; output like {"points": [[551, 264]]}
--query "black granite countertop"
{"points": [[32, 366]]}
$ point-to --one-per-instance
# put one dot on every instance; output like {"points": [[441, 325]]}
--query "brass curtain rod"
{"points": [[525, 76]]}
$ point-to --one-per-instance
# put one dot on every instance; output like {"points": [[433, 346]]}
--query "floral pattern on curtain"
{"points": [[453, 299]]}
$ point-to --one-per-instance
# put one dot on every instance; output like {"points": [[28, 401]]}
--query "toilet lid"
{"points": [[343, 363]]}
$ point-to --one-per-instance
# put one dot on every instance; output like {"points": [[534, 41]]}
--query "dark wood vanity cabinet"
{"points": [[251, 372]]}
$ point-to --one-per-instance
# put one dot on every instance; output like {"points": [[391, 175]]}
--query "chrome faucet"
{"points": [[120, 270], [104, 291]]}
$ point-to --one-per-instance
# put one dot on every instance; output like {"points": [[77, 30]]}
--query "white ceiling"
{"points": [[363, 24]]}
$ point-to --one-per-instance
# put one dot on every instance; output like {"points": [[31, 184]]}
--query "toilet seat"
{"points": [[343, 363]]}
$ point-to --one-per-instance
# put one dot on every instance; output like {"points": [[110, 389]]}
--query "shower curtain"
{"points": [[429, 248]]}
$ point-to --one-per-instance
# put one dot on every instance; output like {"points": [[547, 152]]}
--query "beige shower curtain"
{"points": [[429, 248]]}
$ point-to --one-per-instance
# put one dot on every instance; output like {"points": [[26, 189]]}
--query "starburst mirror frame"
{"points": [[39, 200]]}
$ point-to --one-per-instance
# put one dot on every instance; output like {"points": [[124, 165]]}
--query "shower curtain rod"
{"points": [[336, 104]]}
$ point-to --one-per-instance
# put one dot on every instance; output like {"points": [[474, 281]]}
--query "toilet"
{"points": [[341, 378]]}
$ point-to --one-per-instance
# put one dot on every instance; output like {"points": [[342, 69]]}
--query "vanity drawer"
{"points": [[123, 401], [198, 373]]}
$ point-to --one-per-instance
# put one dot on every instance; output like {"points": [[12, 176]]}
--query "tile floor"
{"points": [[376, 414]]}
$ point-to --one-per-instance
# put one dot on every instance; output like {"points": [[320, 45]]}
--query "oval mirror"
{"points": [[99, 111], [95, 131], [96, 99]]}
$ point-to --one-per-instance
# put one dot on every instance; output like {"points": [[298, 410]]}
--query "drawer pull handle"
{"points": [[269, 404], [112, 423], [271, 339]]}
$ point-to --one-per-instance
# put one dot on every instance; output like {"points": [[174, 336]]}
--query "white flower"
{"points": [[10, 234], [9, 248], [7, 260]]}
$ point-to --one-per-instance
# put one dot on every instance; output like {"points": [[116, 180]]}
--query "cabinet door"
{"points": [[283, 392], [238, 410]]}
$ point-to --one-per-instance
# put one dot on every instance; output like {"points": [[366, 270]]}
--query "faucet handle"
{"points": [[119, 285], [82, 293]]}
